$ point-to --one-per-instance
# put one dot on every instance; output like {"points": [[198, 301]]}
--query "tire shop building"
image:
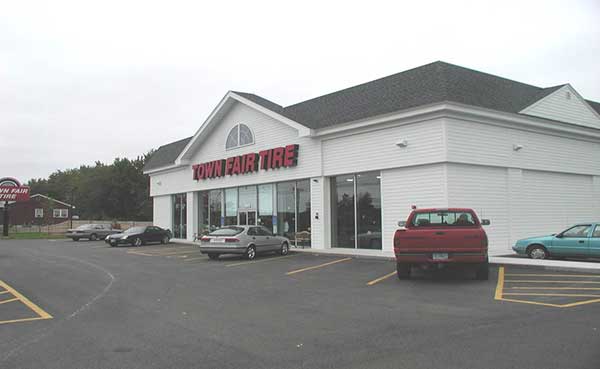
{"points": [[339, 171]]}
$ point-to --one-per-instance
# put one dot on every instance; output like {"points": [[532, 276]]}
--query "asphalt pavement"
{"points": [[83, 305]]}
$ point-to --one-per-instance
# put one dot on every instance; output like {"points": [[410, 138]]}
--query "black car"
{"points": [[138, 236]]}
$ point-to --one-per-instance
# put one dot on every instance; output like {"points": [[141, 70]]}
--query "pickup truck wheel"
{"points": [[483, 271], [537, 252], [93, 237], [212, 256], [403, 270]]}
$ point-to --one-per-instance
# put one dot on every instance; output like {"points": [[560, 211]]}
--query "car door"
{"points": [[149, 234], [257, 238], [594, 247], [272, 243], [572, 242]]}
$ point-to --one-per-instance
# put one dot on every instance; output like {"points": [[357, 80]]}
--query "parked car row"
{"points": [[135, 236]]}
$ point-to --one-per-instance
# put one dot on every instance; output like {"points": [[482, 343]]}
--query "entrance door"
{"points": [[247, 217]]}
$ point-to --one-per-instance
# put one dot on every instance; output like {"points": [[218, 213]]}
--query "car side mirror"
{"points": [[402, 223], [559, 235], [485, 222]]}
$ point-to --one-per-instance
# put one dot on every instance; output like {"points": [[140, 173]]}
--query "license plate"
{"points": [[217, 240], [440, 256]]}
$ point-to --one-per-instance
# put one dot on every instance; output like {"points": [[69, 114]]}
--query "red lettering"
{"points": [[236, 165], [195, 171], [228, 166], [265, 159], [251, 163], [219, 168], [277, 160], [209, 169], [290, 158]]}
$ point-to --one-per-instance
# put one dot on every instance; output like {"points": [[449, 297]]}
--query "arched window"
{"points": [[240, 135]]}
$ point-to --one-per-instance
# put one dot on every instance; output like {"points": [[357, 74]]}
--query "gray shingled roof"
{"points": [[427, 84], [166, 154]]}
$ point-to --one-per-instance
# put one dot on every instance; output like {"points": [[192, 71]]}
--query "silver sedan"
{"points": [[244, 240]]}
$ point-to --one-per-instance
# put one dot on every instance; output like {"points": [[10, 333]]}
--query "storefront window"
{"points": [[265, 206], [179, 216], [286, 210], [215, 198], [231, 202], [368, 205], [342, 211], [303, 213], [247, 197], [203, 219], [356, 211]]}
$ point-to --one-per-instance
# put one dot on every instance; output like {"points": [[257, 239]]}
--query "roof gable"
{"points": [[566, 105]]}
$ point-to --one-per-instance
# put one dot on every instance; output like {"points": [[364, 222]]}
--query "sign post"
{"points": [[11, 190]]}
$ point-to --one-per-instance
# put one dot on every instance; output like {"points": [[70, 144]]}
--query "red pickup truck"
{"points": [[438, 237]]}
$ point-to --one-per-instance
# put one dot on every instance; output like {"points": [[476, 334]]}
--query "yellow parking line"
{"points": [[3, 292], [554, 275], [500, 284], [547, 294], [275, 258], [549, 281], [27, 302], [535, 303], [553, 288], [139, 253], [374, 281], [21, 320], [199, 258], [9, 300], [318, 266], [581, 303]]}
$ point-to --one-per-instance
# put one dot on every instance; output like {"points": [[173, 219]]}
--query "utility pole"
{"points": [[6, 220]]}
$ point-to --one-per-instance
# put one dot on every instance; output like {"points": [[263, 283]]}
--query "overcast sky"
{"points": [[83, 81]]}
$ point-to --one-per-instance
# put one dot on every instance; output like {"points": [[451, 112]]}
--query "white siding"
{"points": [[423, 186], [477, 143], [557, 106], [486, 190], [378, 150], [268, 134], [318, 208], [549, 202], [162, 211]]}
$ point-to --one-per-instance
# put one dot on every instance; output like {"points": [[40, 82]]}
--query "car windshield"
{"points": [[85, 226], [227, 231], [443, 218], [135, 230]]}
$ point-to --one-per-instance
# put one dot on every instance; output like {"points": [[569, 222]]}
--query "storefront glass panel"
{"points": [[179, 216], [231, 202], [203, 219], [342, 211], [303, 213], [247, 197], [215, 198], [265, 206], [368, 205], [286, 210]]}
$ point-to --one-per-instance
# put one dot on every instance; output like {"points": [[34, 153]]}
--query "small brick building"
{"points": [[39, 210]]}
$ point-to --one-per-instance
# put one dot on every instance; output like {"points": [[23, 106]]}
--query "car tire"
{"points": [[403, 270], [137, 242], [165, 240], [93, 237], [537, 252], [250, 252], [212, 256], [75, 239], [285, 249], [482, 273]]}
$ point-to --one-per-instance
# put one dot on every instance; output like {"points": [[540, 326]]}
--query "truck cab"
{"points": [[436, 237]]}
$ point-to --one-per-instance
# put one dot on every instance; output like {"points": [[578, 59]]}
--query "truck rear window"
{"points": [[443, 219]]}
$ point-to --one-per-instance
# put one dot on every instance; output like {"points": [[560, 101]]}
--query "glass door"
{"points": [[247, 217]]}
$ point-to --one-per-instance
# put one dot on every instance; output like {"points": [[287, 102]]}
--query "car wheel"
{"points": [[250, 252], [483, 271], [165, 240], [403, 270], [285, 249], [537, 252], [213, 256], [75, 239], [93, 237], [137, 242]]}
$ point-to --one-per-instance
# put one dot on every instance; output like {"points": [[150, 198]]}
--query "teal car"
{"points": [[580, 240]]}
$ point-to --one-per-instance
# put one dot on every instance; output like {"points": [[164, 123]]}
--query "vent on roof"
{"points": [[568, 95]]}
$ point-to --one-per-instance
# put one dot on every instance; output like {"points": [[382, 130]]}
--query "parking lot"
{"points": [[93, 306]]}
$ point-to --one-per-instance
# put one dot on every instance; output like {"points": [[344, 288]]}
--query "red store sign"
{"points": [[279, 157]]}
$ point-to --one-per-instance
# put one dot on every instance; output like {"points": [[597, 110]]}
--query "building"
{"points": [[340, 170], [38, 210]]}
